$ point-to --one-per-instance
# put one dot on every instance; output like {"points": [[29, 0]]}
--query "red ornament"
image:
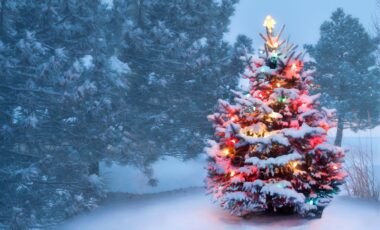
{"points": [[294, 124], [232, 141], [316, 141]]}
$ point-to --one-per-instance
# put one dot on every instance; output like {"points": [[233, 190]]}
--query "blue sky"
{"points": [[301, 17]]}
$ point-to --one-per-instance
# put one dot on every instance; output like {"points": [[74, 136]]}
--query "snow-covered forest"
{"points": [[105, 110]]}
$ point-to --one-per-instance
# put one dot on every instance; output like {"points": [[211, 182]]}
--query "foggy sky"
{"points": [[302, 18]]}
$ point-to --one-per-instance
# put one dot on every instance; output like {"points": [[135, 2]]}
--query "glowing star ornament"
{"points": [[269, 23]]}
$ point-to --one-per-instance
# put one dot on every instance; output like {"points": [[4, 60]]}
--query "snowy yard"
{"points": [[191, 173], [191, 209]]}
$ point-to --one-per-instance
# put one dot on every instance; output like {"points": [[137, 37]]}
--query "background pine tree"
{"points": [[84, 82], [345, 61]]}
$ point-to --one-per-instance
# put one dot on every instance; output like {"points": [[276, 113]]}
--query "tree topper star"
{"points": [[269, 23]]}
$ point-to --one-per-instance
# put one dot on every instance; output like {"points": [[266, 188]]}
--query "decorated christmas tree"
{"points": [[271, 152]]}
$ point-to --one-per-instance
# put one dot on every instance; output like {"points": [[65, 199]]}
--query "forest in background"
{"points": [[129, 82]]}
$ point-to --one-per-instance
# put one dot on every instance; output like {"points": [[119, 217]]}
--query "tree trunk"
{"points": [[339, 132], [94, 168]]}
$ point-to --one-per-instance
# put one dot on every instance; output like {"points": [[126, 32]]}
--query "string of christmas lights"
{"points": [[271, 152]]}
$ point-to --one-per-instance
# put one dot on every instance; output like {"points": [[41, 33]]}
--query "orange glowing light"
{"points": [[269, 23], [225, 152], [232, 173], [324, 126], [335, 167], [294, 164], [278, 84]]}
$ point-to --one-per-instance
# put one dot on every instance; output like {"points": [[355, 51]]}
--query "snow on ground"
{"points": [[191, 173], [172, 173], [193, 210]]}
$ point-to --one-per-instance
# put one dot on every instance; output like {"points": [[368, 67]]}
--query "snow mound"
{"points": [[193, 210]]}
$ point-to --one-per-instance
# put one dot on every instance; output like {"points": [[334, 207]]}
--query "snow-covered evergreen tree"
{"points": [[346, 72], [63, 99], [271, 153], [177, 51], [85, 81]]}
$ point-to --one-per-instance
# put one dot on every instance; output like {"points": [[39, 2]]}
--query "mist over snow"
{"points": [[171, 173]]}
